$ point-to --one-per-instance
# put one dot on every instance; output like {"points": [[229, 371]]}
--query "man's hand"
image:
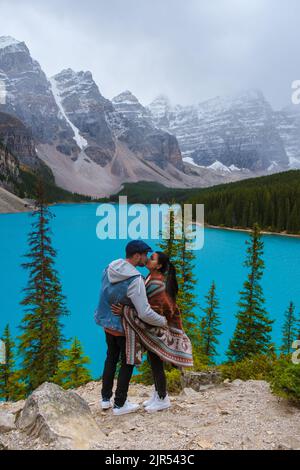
{"points": [[117, 309]]}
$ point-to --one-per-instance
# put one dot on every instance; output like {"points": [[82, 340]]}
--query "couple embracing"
{"points": [[140, 316]]}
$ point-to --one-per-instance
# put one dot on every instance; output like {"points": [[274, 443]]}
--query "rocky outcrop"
{"points": [[59, 417]]}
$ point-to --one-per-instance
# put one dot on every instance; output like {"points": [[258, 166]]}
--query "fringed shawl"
{"points": [[171, 344]]}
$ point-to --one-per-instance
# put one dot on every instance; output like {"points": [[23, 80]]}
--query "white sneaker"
{"points": [[159, 404], [126, 408], [150, 400], [106, 404]]}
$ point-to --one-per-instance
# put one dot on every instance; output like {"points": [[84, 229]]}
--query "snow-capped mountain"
{"points": [[228, 133], [94, 145], [90, 146]]}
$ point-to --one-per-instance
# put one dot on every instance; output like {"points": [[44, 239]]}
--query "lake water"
{"points": [[82, 257]]}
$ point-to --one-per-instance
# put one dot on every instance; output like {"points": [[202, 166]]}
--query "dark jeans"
{"points": [[158, 373], [116, 349]]}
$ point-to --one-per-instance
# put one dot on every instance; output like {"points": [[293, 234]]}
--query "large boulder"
{"points": [[60, 417]]}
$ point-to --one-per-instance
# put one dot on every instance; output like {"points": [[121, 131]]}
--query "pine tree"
{"points": [[209, 326], [72, 371], [252, 333], [11, 386], [289, 330], [41, 341]]}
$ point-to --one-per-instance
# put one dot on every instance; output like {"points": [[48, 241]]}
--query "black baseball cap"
{"points": [[137, 246]]}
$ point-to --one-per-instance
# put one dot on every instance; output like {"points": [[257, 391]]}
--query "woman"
{"points": [[169, 344]]}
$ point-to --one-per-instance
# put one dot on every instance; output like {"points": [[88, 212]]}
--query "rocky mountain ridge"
{"points": [[91, 144], [235, 132]]}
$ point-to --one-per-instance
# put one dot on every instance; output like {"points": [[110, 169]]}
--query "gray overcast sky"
{"points": [[190, 50]]}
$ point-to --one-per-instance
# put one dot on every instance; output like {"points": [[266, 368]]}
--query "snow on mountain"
{"points": [[191, 161], [218, 166], [6, 41], [238, 130], [234, 168], [81, 141]]}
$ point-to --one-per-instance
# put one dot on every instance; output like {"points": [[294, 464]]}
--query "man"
{"points": [[122, 283]]}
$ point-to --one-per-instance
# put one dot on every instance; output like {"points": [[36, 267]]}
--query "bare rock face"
{"points": [[16, 138], [142, 136], [59, 417], [9, 167]]}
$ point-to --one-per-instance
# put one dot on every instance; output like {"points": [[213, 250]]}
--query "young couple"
{"points": [[138, 316]]}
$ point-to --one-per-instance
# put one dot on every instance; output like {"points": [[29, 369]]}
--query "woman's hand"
{"points": [[117, 309]]}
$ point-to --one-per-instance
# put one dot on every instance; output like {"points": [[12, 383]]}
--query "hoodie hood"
{"points": [[120, 270]]}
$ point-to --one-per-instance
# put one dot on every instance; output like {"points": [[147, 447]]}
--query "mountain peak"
{"points": [[126, 96], [6, 41]]}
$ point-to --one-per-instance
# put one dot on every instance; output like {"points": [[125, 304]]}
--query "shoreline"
{"points": [[248, 230], [218, 227]]}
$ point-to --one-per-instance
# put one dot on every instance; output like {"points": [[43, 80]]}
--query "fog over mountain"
{"points": [[190, 51]]}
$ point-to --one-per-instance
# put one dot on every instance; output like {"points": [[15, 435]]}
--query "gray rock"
{"points": [[60, 417], [7, 421], [196, 380]]}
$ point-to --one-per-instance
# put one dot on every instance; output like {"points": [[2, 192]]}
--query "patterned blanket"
{"points": [[172, 345]]}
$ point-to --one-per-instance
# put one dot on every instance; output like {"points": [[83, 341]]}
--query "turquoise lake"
{"points": [[82, 257]]}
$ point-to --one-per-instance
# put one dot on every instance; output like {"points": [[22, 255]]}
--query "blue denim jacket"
{"points": [[112, 294]]}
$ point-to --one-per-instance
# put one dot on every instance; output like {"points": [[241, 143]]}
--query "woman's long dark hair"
{"points": [[169, 270]]}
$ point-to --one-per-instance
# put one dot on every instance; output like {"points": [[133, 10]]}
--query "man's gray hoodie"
{"points": [[121, 270]]}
